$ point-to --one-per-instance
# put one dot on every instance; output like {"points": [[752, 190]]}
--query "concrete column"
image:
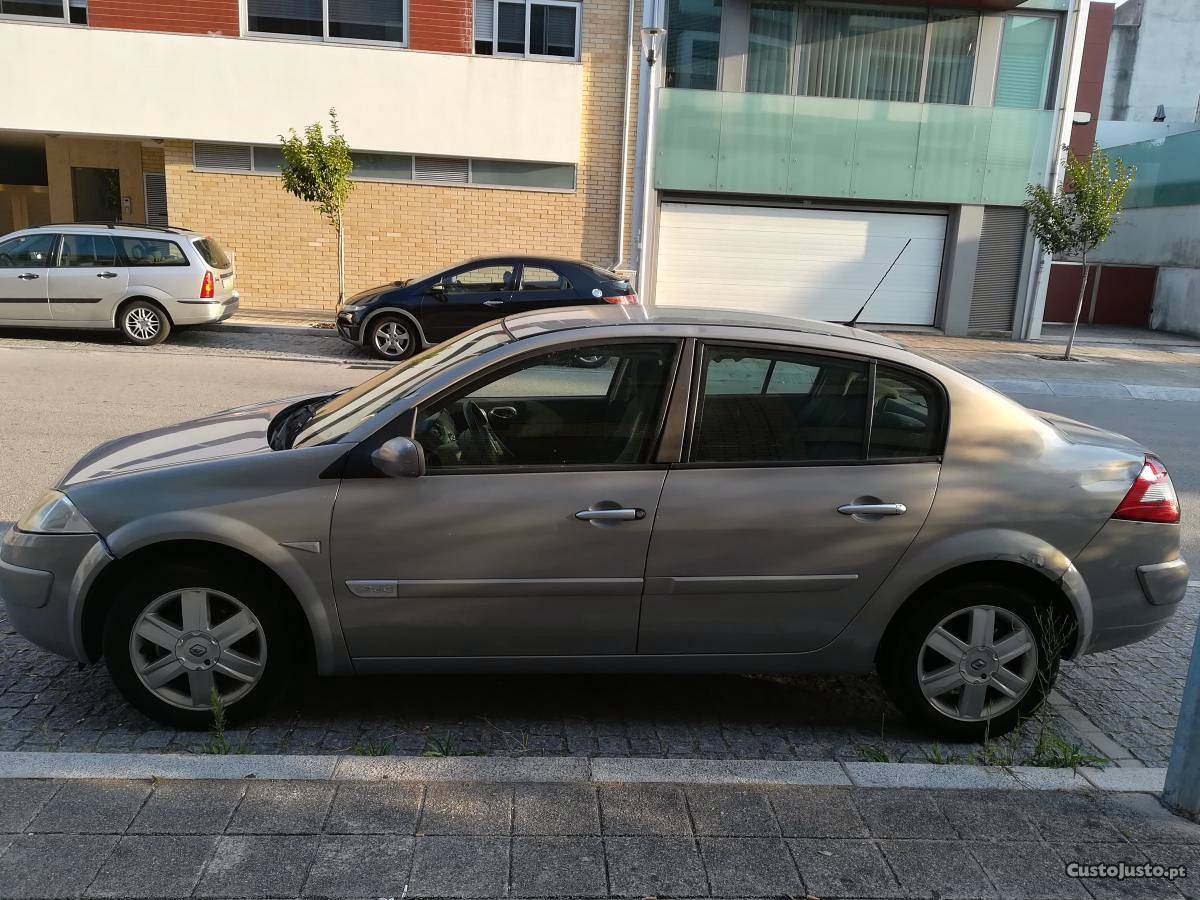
{"points": [[963, 232]]}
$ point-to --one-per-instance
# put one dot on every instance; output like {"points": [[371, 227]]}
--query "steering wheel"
{"points": [[7, 261], [479, 424]]}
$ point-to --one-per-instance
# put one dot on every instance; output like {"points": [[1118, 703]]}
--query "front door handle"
{"points": [[493, 302], [106, 274], [610, 515], [873, 509], [29, 276]]}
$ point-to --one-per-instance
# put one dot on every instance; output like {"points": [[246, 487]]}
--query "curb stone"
{"points": [[25, 765]]}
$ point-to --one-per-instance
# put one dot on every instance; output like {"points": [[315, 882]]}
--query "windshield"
{"points": [[334, 420]]}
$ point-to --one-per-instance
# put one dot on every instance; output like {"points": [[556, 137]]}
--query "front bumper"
{"points": [[347, 329], [38, 574], [202, 312]]}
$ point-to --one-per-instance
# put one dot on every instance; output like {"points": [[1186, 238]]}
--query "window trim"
{"points": [[696, 393], [48, 20], [324, 37], [577, 5], [652, 455]]}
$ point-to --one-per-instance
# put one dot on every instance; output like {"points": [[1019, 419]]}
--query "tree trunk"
{"points": [[341, 263], [1078, 308]]}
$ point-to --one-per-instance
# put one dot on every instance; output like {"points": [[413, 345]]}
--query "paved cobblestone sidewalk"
{"points": [[470, 839]]}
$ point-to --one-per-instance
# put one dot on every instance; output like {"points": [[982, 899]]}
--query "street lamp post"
{"points": [[652, 43]]}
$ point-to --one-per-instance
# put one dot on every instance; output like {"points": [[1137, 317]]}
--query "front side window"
{"points": [[908, 418], [769, 406], [73, 11], [139, 252], [377, 21], [26, 251], [527, 28], [549, 411], [88, 251], [480, 280]]}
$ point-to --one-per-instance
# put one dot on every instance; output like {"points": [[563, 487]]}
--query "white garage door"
{"points": [[816, 263]]}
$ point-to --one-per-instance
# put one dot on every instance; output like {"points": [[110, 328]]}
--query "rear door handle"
{"points": [[873, 509], [29, 276], [106, 274], [493, 302], [610, 515]]}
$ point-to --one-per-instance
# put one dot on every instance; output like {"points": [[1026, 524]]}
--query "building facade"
{"points": [[812, 157], [477, 126]]}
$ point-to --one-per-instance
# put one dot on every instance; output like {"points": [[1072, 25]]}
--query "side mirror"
{"points": [[400, 457], [438, 291]]}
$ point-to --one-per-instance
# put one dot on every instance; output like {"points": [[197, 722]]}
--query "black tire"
{"points": [[901, 660], [143, 323], [251, 588], [399, 329]]}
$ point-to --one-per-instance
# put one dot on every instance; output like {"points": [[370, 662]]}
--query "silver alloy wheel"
{"points": [[977, 663], [142, 323], [191, 642], [392, 339]]}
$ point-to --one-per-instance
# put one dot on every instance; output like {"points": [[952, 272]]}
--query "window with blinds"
{"points": [[1026, 59], [485, 26], [534, 28], [156, 198], [373, 21], [223, 157], [441, 168], [860, 52]]}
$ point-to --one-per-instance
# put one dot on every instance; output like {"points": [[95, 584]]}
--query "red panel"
{"points": [[1062, 293], [442, 25], [1091, 74], [183, 16], [1125, 295]]}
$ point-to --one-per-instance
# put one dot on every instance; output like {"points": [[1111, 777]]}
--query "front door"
{"points": [[88, 280], [782, 523], [528, 534], [466, 298], [24, 264]]}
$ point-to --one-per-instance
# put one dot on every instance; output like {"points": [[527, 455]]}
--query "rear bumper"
{"points": [[1164, 583], [202, 312]]}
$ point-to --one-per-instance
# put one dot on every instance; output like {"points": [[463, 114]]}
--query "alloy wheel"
{"points": [[978, 663], [392, 339], [142, 323], [189, 643]]}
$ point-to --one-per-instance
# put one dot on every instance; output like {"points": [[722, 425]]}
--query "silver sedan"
{"points": [[610, 489]]}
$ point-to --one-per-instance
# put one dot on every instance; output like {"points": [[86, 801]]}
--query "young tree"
{"points": [[1073, 221], [316, 168]]}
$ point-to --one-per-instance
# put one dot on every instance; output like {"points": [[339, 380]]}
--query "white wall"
{"points": [[241, 90], [1153, 58], [1154, 236], [1177, 301]]}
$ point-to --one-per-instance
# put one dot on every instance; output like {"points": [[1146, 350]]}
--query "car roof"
{"points": [[525, 258], [524, 325], [119, 227]]}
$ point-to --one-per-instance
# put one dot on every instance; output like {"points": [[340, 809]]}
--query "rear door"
{"points": [[24, 264], [541, 286], [88, 280], [467, 297], [778, 526]]}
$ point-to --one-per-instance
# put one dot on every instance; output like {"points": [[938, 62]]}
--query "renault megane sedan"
{"points": [[725, 493]]}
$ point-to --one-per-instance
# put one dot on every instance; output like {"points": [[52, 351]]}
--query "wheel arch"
{"points": [[393, 310], [141, 295]]}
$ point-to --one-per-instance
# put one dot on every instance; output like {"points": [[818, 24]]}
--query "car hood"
{"points": [[1082, 433], [371, 293], [230, 433]]}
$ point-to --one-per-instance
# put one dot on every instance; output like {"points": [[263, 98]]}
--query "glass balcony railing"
{"points": [[1168, 170], [864, 149]]}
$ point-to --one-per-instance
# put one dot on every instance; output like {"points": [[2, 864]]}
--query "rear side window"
{"points": [[541, 278], [213, 253], [140, 251], [909, 415], [770, 406], [87, 251]]}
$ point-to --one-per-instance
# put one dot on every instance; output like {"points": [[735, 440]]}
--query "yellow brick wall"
{"points": [[287, 254]]}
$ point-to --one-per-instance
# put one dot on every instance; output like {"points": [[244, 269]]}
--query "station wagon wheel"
{"points": [[972, 660], [179, 633], [189, 643], [391, 338], [143, 323]]}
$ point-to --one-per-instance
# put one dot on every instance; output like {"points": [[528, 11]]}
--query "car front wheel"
{"points": [[184, 640], [391, 338], [974, 660], [143, 323]]}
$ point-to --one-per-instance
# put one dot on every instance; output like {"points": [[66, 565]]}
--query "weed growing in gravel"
{"points": [[218, 744], [373, 748], [939, 756]]}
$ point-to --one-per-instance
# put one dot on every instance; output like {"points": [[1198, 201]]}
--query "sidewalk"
{"points": [[439, 837]]}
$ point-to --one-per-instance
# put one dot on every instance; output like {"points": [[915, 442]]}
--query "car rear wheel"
{"points": [[143, 323], [972, 661], [392, 338], [182, 639]]}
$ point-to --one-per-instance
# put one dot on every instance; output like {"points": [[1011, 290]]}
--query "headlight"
{"points": [[56, 514], [353, 308]]}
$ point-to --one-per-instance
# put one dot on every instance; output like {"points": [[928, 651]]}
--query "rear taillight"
{"points": [[622, 298], [1152, 497], [208, 288]]}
